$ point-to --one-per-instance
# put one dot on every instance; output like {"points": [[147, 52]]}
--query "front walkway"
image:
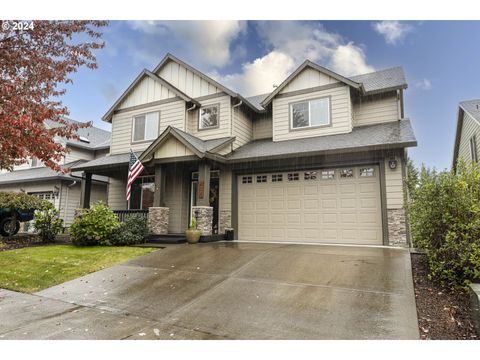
{"points": [[228, 291]]}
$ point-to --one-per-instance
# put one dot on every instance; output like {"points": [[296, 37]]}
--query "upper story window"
{"points": [[473, 148], [208, 117], [310, 113], [145, 126]]}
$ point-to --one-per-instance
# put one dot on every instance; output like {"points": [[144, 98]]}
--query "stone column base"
{"points": [[157, 221], [225, 220], [204, 216], [397, 228]]}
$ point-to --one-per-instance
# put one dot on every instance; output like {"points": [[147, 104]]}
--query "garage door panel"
{"points": [[324, 208]]}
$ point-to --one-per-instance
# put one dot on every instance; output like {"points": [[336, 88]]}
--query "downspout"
{"points": [[74, 182], [233, 110], [186, 115]]}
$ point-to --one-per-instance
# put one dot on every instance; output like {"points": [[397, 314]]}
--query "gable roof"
{"points": [[144, 73], [308, 63], [382, 80], [472, 108], [170, 57], [201, 148], [97, 138]]}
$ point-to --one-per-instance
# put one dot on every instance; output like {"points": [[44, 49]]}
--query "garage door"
{"points": [[337, 205]]}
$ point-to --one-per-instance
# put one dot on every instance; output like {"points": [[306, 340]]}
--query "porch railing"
{"points": [[123, 215]]}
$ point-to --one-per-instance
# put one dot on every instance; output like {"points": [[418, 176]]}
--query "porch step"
{"points": [[167, 239]]}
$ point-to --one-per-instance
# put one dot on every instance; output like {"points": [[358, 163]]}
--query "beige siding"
{"points": [[262, 127], [101, 153], [172, 113], [146, 91], [78, 154], [308, 78], [470, 127], [376, 110], [116, 193], [242, 127], [225, 123], [187, 81], [31, 187], [341, 114], [394, 185], [176, 199], [225, 195], [172, 148]]}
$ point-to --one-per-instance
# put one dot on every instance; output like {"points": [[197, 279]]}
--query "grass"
{"points": [[36, 268]]}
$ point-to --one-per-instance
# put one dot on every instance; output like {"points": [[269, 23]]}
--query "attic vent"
{"points": [[84, 139]]}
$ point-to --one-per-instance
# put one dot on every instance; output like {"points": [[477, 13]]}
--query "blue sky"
{"points": [[440, 59]]}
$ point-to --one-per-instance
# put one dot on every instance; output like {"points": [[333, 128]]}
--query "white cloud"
{"points": [[424, 84], [206, 41], [289, 43], [393, 31]]}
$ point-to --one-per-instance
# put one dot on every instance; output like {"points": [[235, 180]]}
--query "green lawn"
{"points": [[36, 268]]}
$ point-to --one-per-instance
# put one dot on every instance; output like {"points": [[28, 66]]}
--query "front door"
{"points": [[213, 197]]}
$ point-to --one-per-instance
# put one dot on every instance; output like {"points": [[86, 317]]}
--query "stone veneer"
{"points": [[158, 220], [204, 216], [225, 220], [397, 228]]}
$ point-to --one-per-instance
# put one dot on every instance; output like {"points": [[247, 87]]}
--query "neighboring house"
{"points": [[62, 189], [320, 159], [468, 132]]}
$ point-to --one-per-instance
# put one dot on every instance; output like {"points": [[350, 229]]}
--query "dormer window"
{"points": [[145, 126], [208, 117], [310, 113]]}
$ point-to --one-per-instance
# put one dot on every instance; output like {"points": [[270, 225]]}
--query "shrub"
{"points": [[133, 231], [94, 226], [47, 222], [19, 200], [445, 220]]}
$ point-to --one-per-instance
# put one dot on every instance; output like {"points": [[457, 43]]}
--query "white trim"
{"points": [[200, 127], [309, 112], [134, 119], [316, 244]]}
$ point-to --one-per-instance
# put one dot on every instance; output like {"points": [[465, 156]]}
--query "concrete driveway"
{"points": [[228, 291]]}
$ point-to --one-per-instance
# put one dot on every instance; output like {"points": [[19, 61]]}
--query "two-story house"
{"points": [[468, 132], [319, 159], [62, 189]]}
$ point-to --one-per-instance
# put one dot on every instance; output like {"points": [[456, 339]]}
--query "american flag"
{"points": [[135, 167]]}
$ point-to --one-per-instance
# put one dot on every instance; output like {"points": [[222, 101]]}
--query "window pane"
{"points": [[148, 191], [299, 115], [367, 172], [136, 194], [139, 128], [151, 126], [346, 173], [319, 112], [208, 117]]}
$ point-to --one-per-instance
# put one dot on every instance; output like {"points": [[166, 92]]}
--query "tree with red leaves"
{"points": [[34, 65]]}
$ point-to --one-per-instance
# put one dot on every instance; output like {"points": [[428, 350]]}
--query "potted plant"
{"points": [[193, 234]]}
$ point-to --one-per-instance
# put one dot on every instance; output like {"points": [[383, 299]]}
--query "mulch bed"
{"points": [[27, 240], [443, 314]]}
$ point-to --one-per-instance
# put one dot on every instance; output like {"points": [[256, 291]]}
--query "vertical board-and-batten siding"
{"points": [[171, 113], [469, 128], [376, 110], [242, 127], [186, 80], [394, 185], [224, 128], [146, 91], [308, 78], [340, 110]]}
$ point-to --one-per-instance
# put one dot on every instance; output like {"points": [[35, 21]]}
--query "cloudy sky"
{"points": [[440, 59]]}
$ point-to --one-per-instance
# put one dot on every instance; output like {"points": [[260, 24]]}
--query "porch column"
{"points": [[86, 189], [160, 177], [203, 211]]}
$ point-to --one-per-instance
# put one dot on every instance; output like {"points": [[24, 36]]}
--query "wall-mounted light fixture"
{"points": [[392, 163]]}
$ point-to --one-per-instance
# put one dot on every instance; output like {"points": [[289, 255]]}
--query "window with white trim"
{"points": [[145, 126], [277, 177], [208, 117], [346, 173], [473, 148], [310, 113], [328, 174], [367, 172]]}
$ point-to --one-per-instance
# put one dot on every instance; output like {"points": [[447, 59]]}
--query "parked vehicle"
{"points": [[10, 220]]}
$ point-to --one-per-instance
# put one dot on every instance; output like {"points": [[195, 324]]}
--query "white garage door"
{"points": [[337, 205]]}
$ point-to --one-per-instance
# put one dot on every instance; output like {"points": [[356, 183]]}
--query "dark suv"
{"points": [[10, 220]]}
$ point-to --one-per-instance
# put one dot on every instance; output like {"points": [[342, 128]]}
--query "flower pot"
{"points": [[193, 236]]}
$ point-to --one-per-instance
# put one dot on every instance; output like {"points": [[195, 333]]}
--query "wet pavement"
{"points": [[227, 291]]}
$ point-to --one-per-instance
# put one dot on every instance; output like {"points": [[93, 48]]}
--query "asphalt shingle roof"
{"points": [[257, 100], [98, 138], [386, 135], [381, 80], [201, 145], [472, 107]]}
